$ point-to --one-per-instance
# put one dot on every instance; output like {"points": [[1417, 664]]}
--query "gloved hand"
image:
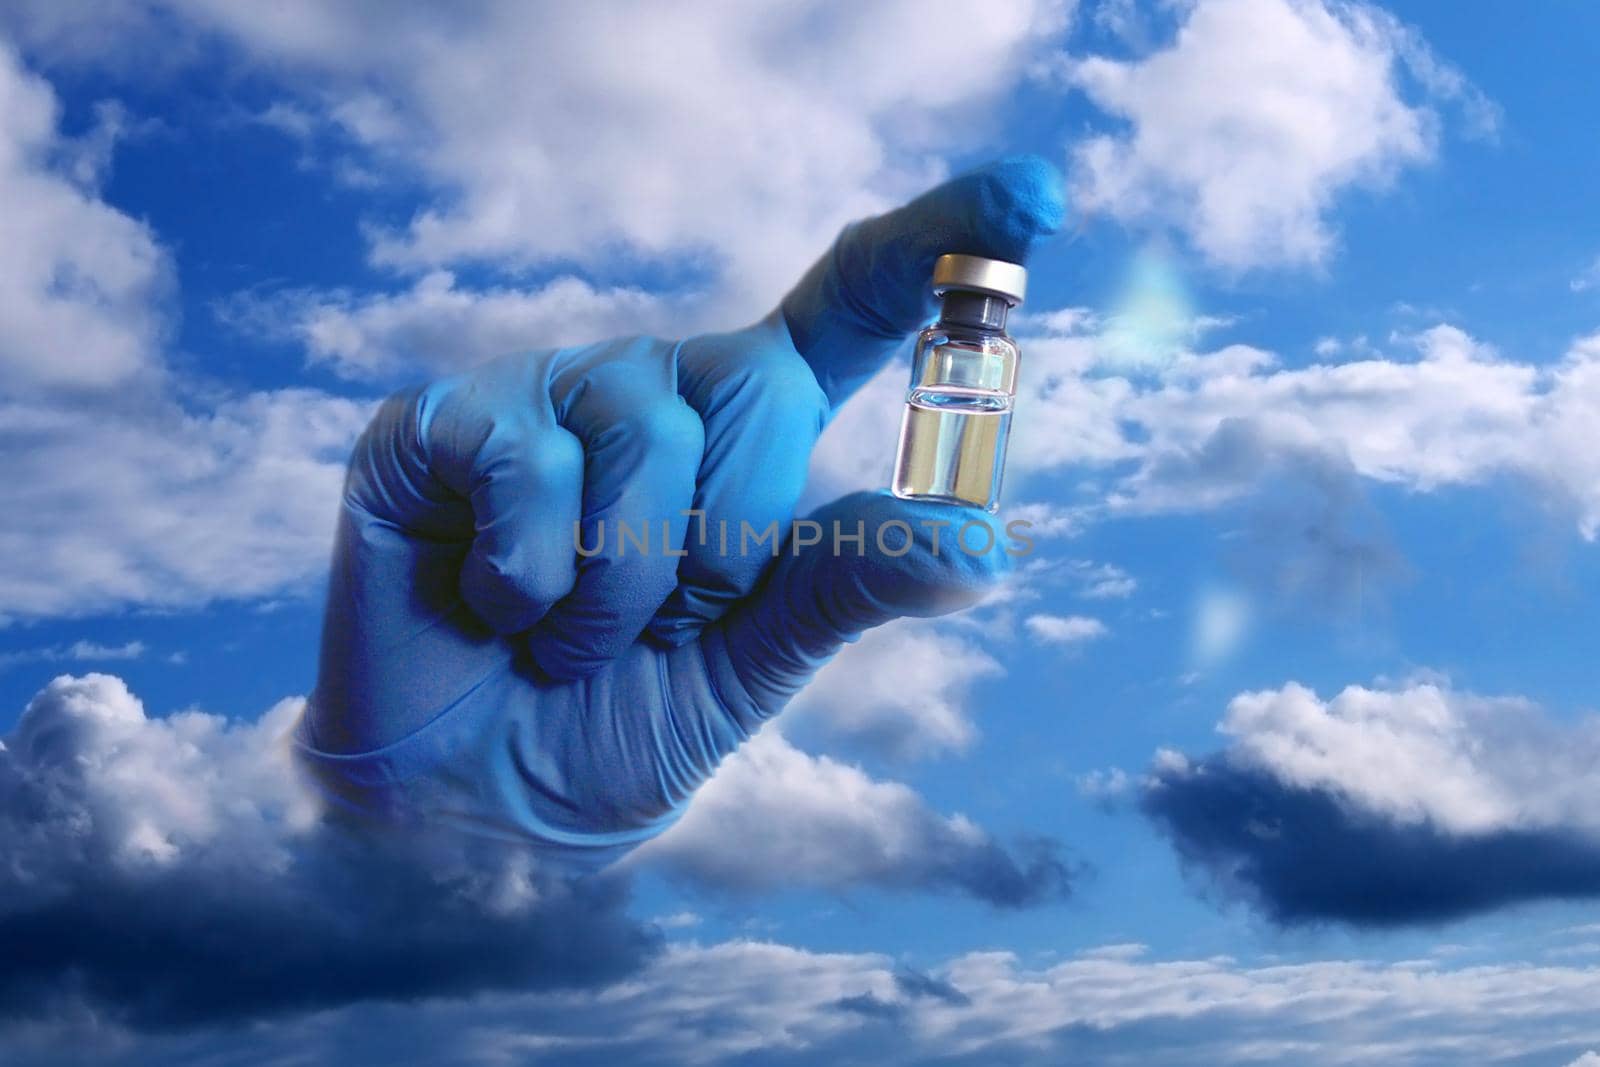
{"points": [[478, 669]]}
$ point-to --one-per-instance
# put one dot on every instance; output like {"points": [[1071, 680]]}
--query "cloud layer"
{"points": [[173, 871], [715, 140], [1383, 806], [740, 1001], [1210, 429]]}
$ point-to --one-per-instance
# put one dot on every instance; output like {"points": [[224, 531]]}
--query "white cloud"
{"points": [[441, 326], [1450, 417], [142, 792], [1423, 752], [79, 651], [773, 817], [93, 650], [1443, 82], [901, 689], [1067, 413], [1064, 629], [1246, 129], [1586, 279], [288, 119], [1459, 415], [1123, 19], [1043, 519], [1102, 581], [155, 505], [1105, 784], [79, 281]]}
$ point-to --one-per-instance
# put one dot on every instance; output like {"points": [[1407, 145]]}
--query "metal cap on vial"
{"points": [[994, 277]]}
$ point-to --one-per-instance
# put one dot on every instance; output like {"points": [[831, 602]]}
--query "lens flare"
{"points": [[1153, 319], [1221, 622]]}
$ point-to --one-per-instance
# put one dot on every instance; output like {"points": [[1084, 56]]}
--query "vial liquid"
{"points": [[953, 447], [963, 385]]}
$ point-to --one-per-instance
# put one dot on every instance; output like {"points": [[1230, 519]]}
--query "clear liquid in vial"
{"points": [[953, 447]]}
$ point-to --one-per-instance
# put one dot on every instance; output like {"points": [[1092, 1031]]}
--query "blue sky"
{"points": [[1281, 751]]}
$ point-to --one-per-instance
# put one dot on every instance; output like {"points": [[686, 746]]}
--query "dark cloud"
{"points": [[1305, 854], [1028, 873], [870, 1006], [917, 984], [167, 872], [342, 922], [1305, 537], [1310, 540]]}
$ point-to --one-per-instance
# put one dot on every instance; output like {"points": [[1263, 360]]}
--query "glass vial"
{"points": [[963, 385]]}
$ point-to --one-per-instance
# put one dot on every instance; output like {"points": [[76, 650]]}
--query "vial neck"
{"points": [[976, 311]]}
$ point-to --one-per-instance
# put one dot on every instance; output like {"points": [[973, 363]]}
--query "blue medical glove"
{"points": [[527, 636]]}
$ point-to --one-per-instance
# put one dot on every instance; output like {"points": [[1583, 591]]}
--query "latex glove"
{"points": [[477, 670]]}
